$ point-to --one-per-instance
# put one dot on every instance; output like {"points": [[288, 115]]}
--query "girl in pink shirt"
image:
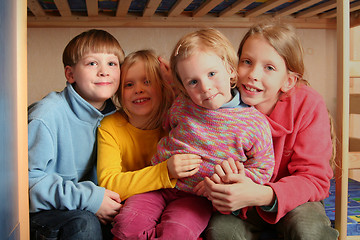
{"points": [[271, 79]]}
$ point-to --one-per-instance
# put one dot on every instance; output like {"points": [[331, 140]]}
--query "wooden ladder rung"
{"points": [[355, 69]]}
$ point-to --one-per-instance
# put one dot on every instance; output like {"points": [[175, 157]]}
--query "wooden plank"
{"points": [[63, 7], [158, 20], [296, 7], [355, 69], [317, 9], [330, 14], [151, 7], [92, 8], [235, 7], [21, 119], [36, 8], [179, 7], [342, 172], [206, 7], [123, 8], [264, 8]]}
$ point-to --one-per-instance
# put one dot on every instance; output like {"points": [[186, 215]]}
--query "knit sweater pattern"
{"points": [[240, 133]]}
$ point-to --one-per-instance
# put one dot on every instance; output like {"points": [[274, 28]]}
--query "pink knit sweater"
{"points": [[240, 133]]}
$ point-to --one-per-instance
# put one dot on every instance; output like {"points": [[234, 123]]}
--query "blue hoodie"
{"points": [[62, 152]]}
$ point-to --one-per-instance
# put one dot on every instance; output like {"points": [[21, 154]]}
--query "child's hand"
{"points": [[229, 171], [109, 207], [166, 74], [183, 165]]}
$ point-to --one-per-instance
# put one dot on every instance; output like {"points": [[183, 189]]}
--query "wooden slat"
{"points": [[296, 7], [92, 8], [330, 14], [355, 69], [354, 103], [123, 8], [342, 173], [235, 7], [151, 7], [236, 21], [264, 8], [354, 159], [63, 7], [179, 7], [317, 9], [36, 8], [206, 7]]}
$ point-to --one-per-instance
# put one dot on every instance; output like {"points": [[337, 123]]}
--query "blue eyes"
{"points": [[193, 82], [267, 67], [211, 74]]}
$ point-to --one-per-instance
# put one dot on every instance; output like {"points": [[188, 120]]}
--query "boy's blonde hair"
{"points": [[202, 41], [94, 41], [283, 38], [152, 68]]}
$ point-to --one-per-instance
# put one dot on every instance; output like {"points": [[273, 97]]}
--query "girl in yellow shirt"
{"points": [[127, 139]]}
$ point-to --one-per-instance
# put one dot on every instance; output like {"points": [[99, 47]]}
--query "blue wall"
{"points": [[9, 220]]}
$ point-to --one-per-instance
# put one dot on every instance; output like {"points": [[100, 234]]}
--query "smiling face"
{"points": [[95, 77], [263, 75], [206, 79], [140, 96]]}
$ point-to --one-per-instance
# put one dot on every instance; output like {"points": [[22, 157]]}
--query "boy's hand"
{"points": [[183, 165], [109, 207]]}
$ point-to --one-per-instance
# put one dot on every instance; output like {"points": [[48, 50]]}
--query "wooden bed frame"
{"points": [[347, 104], [320, 16]]}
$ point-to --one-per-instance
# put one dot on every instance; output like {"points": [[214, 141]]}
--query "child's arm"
{"points": [[260, 163], [53, 182]]}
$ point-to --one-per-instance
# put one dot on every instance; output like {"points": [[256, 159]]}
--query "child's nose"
{"points": [[103, 71], [255, 73], [205, 86]]}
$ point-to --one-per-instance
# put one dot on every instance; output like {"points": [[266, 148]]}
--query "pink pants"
{"points": [[162, 214]]}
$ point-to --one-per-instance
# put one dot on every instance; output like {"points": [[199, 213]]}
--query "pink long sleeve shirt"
{"points": [[300, 128]]}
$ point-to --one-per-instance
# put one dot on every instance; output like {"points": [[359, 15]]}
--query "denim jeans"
{"points": [[69, 225], [306, 222]]}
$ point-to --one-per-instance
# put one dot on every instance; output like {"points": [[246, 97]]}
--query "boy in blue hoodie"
{"points": [[65, 201]]}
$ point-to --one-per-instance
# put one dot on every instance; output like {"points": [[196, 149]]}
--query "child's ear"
{"points": [[289, 83], [69, 74]]}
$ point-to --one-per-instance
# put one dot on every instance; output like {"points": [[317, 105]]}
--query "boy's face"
{"points": [[206, 79], [96, 77]]}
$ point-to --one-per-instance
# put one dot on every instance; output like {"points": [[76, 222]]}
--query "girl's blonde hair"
{"points": [[283, 38], [94, 41], [202, 41], [152, 68]]}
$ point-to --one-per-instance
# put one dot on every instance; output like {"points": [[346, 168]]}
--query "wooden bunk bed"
{"points": [[341, 14], [348, 104]]}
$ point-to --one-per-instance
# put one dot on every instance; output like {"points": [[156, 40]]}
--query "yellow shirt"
{"points": [[124, 155]]}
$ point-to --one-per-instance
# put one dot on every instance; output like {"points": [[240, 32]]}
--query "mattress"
{"points": [[353, 220]]}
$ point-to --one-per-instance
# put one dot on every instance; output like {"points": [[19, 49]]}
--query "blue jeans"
{"points": [[306, 222], [70, 225]]}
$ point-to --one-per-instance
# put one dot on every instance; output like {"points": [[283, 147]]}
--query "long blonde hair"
{"points": [[208, 39], [283, 38], [152, 68]]}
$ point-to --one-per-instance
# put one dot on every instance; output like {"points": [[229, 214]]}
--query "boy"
{"points": [[65, 202]]}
